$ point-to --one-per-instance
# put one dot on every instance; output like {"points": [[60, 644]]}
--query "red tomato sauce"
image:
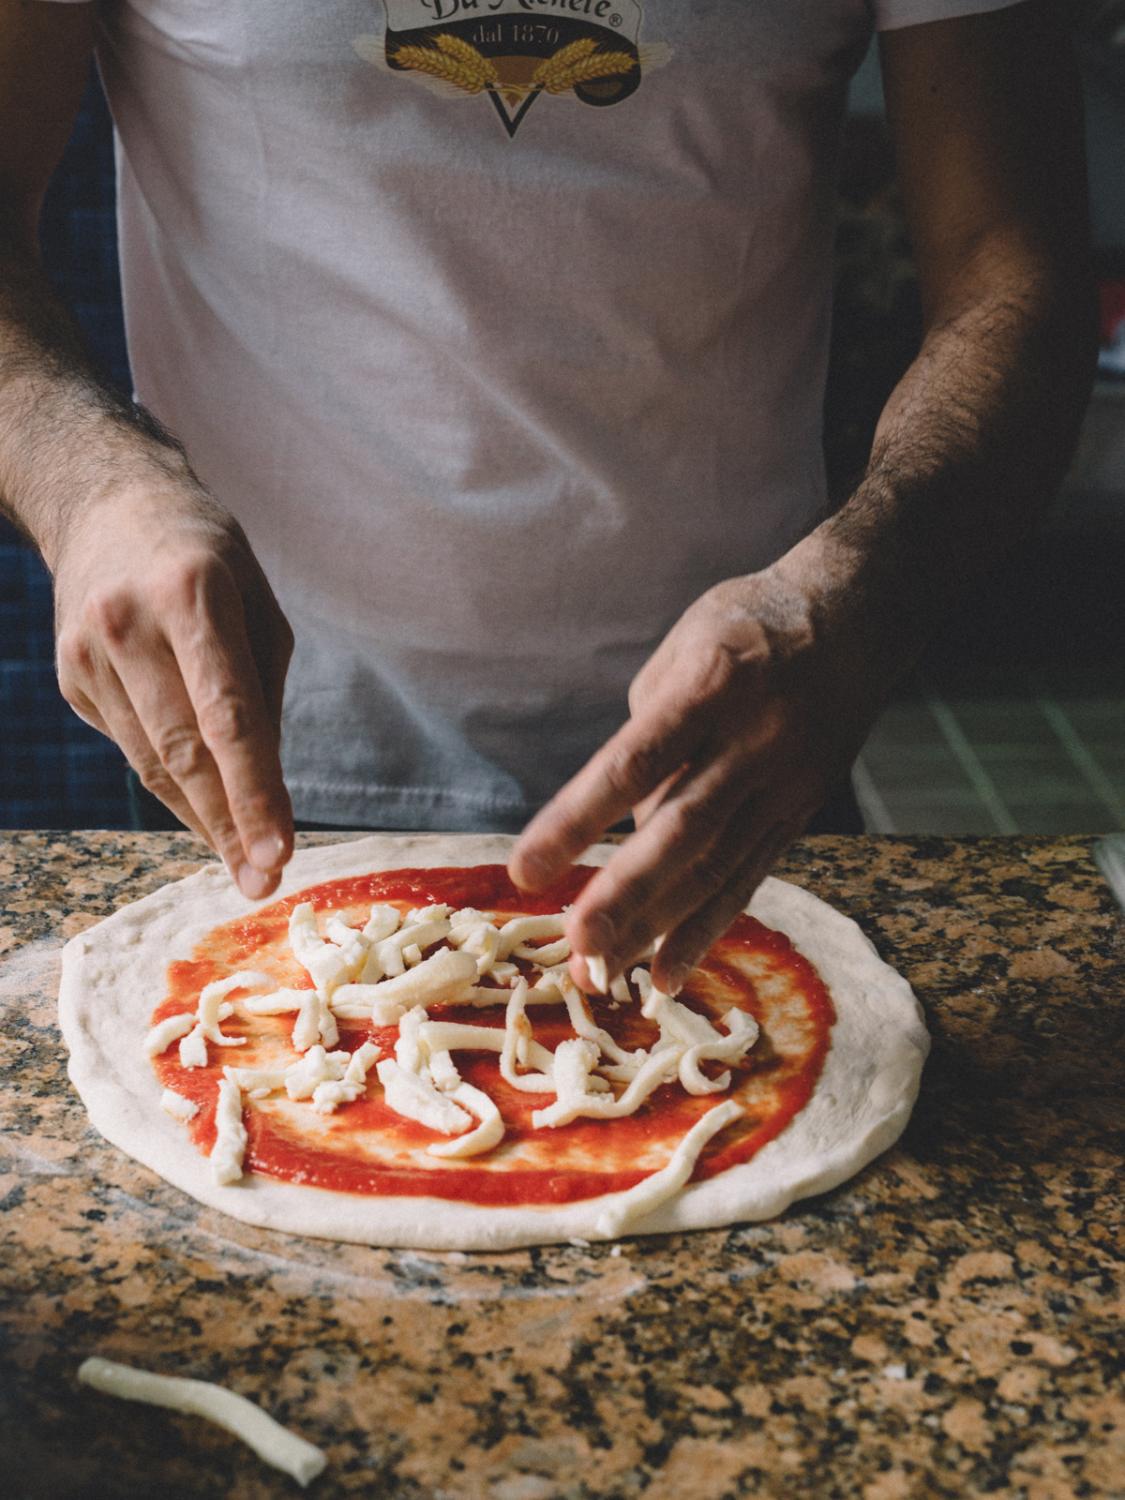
{"points": [[366, 1148]]}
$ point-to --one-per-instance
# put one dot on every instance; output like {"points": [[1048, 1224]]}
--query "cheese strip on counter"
{"points": [[648, 1195], [275, 1444]]}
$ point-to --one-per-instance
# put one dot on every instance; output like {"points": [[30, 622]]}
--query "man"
{"points": [[499, 326]]}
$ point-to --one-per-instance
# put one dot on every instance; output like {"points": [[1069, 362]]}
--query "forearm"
{"points": [[66, 437], [971, 446]]}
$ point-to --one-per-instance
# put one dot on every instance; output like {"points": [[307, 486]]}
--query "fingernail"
{"points": [[676, 978], [254, 884], [267, 852]]}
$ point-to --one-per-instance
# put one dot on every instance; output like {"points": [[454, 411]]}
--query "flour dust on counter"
{"points": [[393, 1051]]}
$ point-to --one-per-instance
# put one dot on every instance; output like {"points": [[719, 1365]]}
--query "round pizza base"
{"points": [[114, 973]]}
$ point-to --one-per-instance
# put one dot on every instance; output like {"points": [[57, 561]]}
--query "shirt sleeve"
{"points": [[890, 15]]}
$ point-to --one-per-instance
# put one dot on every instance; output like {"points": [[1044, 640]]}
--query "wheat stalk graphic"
{"points": [[579, 63], [452, 61]]}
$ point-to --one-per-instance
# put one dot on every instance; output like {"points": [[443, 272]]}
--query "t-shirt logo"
{"points": [[515, 51]]}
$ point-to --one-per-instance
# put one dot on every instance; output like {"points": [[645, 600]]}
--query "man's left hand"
{"points": [[745, 718]]}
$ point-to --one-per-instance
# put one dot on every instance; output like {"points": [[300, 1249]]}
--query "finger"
{"points": [[666, 869], [116, 719], [271, 644], [632, 764], [212, 649], [685, 945], [150, 677]]}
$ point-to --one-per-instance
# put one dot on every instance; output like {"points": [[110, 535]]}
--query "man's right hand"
{"points": [[170, 641]]}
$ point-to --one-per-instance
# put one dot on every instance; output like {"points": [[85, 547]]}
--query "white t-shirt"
{"points": [[501, 327]]}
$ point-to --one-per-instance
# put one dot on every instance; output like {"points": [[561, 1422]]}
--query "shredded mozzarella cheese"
{"points": [[382, 973], [640, 1201], [165, 1032], [416, 1098], [275, 1444], [230, 1138], [177, 1106], [316, 1067], [487, 1134], [193, 1049], [440, 979], [331, 1093]]}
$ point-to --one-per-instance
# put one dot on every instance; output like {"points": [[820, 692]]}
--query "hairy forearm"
{"points": [[66, 437], [971, 446]]}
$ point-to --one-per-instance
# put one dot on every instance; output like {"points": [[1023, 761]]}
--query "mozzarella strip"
{"points": [[316, 1067], [486, 1135], [276, 1003], [578, 1009], [327, 965], [440, 979], [416, 1098], [381, 923], [549, 953], [275, 1444], [365, 1002], [457, 1036], [230, 1140], [258, 1082], [520, 1047], [210, 1009], [165, 1032], [177, 1106], [330, 1094], [742, 1034], [642, 1200], [193, 1049], [315, 1023], [659, 1067], [522, 930], [421, 934]]}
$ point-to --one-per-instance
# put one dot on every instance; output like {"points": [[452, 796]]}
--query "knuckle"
{"points": [[182, 753], [631, 771], [716, 669], [112, 615], [74, 657], [224, 719], [155, 779], [184, 582]]}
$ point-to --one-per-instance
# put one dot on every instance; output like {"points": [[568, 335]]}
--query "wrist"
{"points": [[124, 484], [858, 591]]}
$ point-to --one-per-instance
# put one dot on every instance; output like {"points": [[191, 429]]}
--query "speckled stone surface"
{"points": [[948, 1323]]}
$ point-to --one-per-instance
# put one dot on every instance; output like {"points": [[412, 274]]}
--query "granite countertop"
{"points": [[946, 1323]]}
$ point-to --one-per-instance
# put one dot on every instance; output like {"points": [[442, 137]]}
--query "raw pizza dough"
{"points": [[114, 972]]}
